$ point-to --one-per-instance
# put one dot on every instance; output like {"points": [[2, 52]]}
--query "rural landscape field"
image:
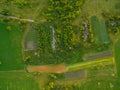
{"points": [[59, 44]]}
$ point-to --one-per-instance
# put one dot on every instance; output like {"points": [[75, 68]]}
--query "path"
{"points": [[47, 68], [13, 17]]}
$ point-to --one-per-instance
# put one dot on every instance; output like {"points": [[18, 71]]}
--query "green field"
{"points": [[103, 33], [117, 56], [99, 30], [17, 81], [57, 36], [101, 84], [97, 7], [95, 28], [10, 47]]}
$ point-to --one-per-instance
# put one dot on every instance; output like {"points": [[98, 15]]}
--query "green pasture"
{"points": [[97, 7], [103, 33], [107, 83], [117, 56], [99, 31], [10, 47], [17, 81], [101, 83], [95, 28], [109, 71]]}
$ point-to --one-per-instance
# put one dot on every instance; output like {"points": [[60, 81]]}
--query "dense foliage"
{"points": [[59, 16]]}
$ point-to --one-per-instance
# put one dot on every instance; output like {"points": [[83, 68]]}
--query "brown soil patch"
{"points": [[46, 68]]}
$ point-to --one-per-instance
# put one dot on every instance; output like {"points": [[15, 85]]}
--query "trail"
{"points": [[47, 68], [16, 18]]}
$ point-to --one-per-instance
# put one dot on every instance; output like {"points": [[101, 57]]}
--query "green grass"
{"points": [[109, 71], [99, 30], [17, 81], [97, 7], [103, 33], [95, 28], [101, 83], [10, 47], [107, 83], [117, 56]]}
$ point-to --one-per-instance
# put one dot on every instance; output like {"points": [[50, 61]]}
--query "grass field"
{"points": [[103, 33], [97, 7], [99, 31], [17, 81], [95, 28], [10, 47], [105, 71], [117, 56], [101, 84]]}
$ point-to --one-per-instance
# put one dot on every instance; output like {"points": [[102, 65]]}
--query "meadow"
{"points": [[99, 31], [117, 56], [101, 84], [17, 81], [10, 47]]}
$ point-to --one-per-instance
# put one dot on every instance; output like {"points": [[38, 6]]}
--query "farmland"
{"points": [[17, 81], [10, 47], [117, 56], [99, 30], [93, 84], [59, 44]]}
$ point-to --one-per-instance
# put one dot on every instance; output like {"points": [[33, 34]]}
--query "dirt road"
{"points": [[47, 68]]}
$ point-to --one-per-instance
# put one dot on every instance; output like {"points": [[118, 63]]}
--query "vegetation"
{"points": [[117, 56], [23, 8], [113, 24], [63, 32], [17, 81], [10, 47], [99, 30]]}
